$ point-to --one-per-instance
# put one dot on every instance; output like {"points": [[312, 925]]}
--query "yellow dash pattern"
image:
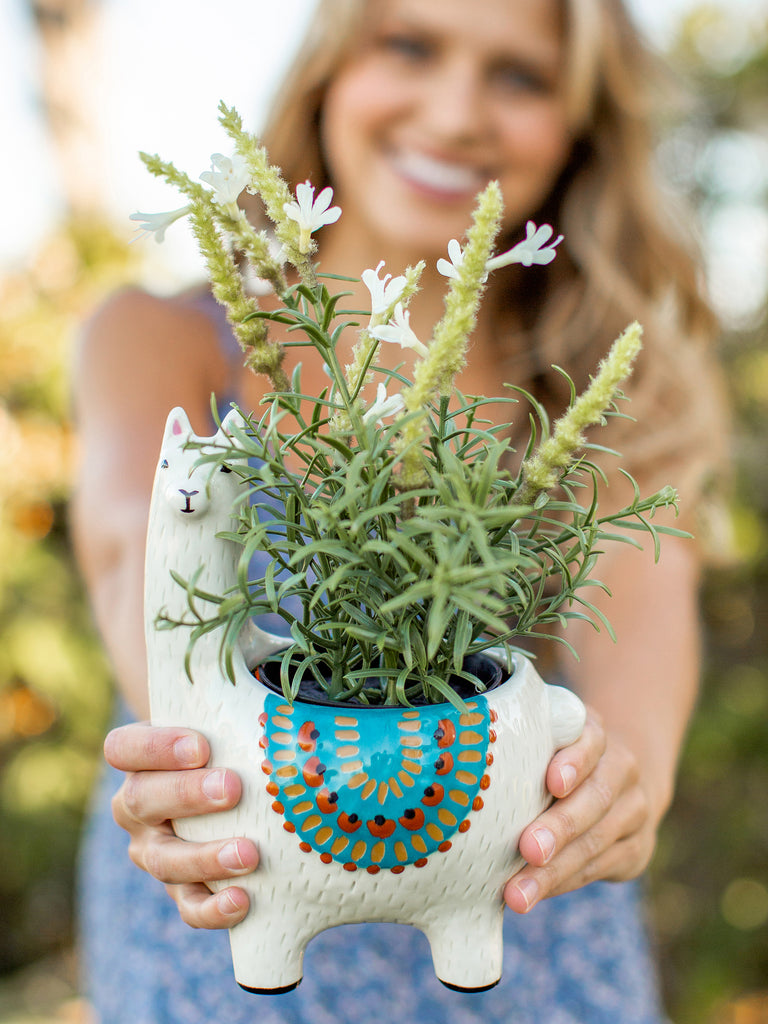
{"points": [[469, 736], [348, 751], [368, 788], [351, 766], [339, 846], [282, 737], [290, 771], [303, 807], [358, 850], [284, 755], [400, 851], [343, 721], [323, 834], [413, 725], [405, 778], [467, 778], [412, 767], [394, 787], [382, 794], [295, 790], [418, 844], [470, 756], [281, 722], [459, 797], [358, 780], [434, 832], [377, 852], [347, 735], [446, 817], [310, 823]]}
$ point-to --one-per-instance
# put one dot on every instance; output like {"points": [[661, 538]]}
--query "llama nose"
{"points": [[187, 496]]}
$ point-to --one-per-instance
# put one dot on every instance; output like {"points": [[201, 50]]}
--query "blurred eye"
{"points": [[518, 77], [406, 45], [164, 464], [225, 469]]}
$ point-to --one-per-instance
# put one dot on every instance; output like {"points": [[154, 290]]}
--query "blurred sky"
{"points": [[164, 66]]}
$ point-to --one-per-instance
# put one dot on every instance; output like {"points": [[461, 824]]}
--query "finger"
{"points": [[153, 797], [617, 848], [174, 861], [572, 765], [623, 860], [200, 909], [568, 819], [142, 747]]}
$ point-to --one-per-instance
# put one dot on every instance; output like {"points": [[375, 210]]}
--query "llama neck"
{"points": [[186, 547]]}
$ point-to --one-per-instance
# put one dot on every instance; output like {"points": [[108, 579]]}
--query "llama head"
{"points": [[189, 490]]}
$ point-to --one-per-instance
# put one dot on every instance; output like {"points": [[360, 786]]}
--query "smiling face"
{"points": [[438, 98]]}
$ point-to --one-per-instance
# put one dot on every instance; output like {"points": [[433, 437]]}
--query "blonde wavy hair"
{"points": [[620, 260]]}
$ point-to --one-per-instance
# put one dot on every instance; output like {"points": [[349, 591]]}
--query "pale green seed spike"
{"points": [[262, 356], [435, 373], [165, 169], [557, 453], [273, 189]]}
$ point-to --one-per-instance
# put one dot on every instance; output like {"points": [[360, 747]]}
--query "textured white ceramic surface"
{"points": [[454, 895]]}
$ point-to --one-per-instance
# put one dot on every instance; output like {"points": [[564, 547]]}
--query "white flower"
{"points": [[227, 177], [157, 223], [383, 292], [311, 213], [535, 248], [383, 406], [456, 259], [398, 330]]}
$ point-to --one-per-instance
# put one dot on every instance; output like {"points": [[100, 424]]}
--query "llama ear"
{"points": [[233, 425], [177, 426]]}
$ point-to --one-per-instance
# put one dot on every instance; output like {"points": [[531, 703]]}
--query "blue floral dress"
{"points": [[582, 958]]}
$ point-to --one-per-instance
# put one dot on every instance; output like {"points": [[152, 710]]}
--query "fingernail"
{"points": [[227, 903], [545, 841], [567, 776], [529, 890], [229, 857], [187, 750], [213, 784]]}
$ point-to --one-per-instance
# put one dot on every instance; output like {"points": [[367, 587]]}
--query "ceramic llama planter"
{"points": [[393, 814]]}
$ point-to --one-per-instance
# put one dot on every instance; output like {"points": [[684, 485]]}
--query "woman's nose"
{"points": [[453, 106]]}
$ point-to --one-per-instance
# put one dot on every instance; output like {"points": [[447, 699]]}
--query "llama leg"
{"points": [[467, 946], [268, 949]]}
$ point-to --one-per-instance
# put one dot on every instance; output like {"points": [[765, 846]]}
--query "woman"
{"points": [[408, 108]]}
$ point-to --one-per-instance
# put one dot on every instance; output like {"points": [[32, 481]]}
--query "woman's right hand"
{"points": [[166, 778]]}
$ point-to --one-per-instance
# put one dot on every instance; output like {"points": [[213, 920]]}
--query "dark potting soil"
{"points": [[487, 671]]}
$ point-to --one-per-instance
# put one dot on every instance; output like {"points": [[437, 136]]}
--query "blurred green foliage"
{"points": [[710, 875], [54, 682], [709, 881]]}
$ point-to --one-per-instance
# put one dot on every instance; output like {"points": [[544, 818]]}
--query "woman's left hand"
{"points": [[600, 826]]}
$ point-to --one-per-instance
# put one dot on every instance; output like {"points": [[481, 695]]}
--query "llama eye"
{"points": [[225, 469], [164, 464]]}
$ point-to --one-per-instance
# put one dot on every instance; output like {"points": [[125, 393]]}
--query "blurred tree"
{"points": [[54, 683], [711, 873], [70, 74]]}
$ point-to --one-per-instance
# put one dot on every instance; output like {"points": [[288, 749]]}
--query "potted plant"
{"points": [[393, 743]]}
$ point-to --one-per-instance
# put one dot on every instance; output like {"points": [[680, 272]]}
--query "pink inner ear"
{"points": [[176, 428]]}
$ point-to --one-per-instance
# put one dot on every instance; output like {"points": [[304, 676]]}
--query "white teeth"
{"points": [[448, 177]]}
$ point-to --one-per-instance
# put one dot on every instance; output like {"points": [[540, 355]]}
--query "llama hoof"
{"points": [[461, 988], [269, 991]]}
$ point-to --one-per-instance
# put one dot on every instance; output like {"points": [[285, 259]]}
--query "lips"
{"points": [[440, 176]]}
